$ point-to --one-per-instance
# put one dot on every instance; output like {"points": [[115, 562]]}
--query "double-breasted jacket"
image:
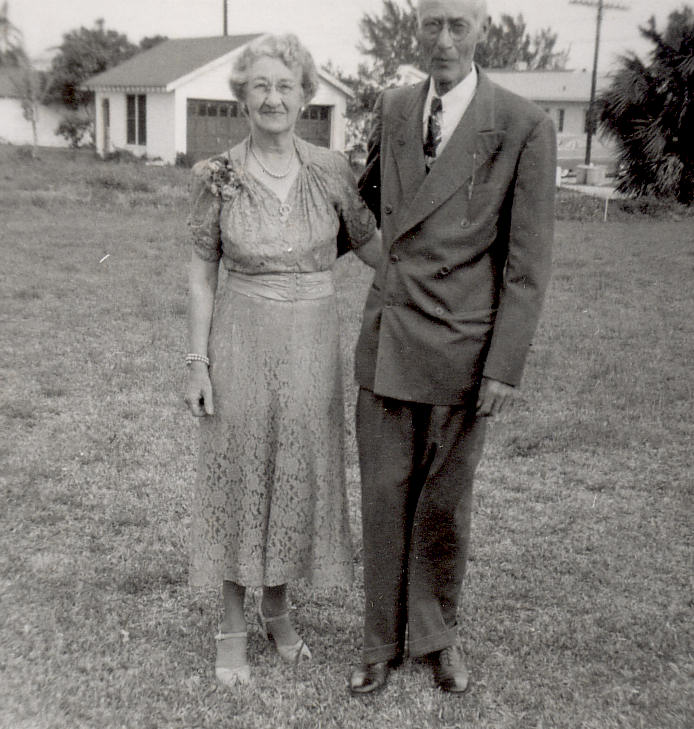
{"points": [[467, 246]]}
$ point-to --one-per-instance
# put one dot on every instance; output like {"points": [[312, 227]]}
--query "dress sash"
{"points": [[283, 286]]}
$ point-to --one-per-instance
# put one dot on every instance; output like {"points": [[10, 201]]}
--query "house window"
{"points": [[136, 121], [560, 120]]}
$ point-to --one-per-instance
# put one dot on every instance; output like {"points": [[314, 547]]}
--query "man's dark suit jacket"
{"points": [[467, 247]]}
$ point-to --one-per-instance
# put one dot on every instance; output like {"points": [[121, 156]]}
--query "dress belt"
{"points": [[283, 286]]}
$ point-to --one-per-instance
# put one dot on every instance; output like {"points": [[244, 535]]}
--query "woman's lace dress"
{"points": [[270, 503]]}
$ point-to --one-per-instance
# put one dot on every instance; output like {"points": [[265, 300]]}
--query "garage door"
{"points": [[214, 126], [314, 125]]}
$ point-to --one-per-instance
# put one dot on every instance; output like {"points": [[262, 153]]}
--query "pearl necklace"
{"points": [[277, 176]]}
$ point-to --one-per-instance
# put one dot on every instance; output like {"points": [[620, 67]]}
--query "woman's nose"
{"points": [[274, 97]]}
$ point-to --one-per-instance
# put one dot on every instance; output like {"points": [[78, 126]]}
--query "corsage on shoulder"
{"points": [[223, 178]]}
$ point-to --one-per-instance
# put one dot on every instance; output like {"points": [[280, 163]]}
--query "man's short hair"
{"points": [[480, 10]]}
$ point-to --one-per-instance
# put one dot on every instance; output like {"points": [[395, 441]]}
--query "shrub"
{"points": [[183, 160], [648, 110], [122, 155], [572, 205], [75, 129]]}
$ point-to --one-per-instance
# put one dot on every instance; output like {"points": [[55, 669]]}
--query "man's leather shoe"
{"points": [[450, 672], [368, 678]]}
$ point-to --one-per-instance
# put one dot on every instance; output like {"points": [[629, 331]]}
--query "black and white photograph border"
{"points": [[576, 608]]}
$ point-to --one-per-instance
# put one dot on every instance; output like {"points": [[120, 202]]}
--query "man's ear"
{"points": [[484, 28]]}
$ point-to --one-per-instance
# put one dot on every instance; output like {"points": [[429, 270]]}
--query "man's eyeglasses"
{"points": [[457, 29]]}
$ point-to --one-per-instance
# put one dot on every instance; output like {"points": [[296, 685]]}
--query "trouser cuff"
{"points": [[381, 653], [431, 643]]}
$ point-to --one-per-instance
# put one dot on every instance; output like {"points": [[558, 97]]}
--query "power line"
{"points": [[601, 6]]}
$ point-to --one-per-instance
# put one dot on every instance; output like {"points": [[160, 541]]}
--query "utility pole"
{"points": [[601, 6], [226, 30]]}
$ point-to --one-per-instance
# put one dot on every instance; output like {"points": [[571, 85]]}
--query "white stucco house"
{"points": [[564, 95], [14, 128], [174, 99]]}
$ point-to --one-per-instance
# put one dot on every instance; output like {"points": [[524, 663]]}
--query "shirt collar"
{"points": [[458, 97]]}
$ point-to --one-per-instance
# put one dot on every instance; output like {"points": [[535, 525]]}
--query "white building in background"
{"points": [[14, 128], [174, 99]]}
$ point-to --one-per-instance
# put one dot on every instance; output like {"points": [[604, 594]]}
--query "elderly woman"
{"points": [[264, 364]]}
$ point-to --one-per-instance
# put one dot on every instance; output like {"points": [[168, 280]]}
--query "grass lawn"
{"points": [[577, 608]]}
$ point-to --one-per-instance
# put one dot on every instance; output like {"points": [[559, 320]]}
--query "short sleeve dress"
{"points": [[270, 500]]}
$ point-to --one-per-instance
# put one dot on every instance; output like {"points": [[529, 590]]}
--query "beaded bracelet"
{"points": [[197, 358]]}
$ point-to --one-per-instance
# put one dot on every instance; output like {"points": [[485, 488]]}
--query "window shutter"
{"points": [[130, 119], [142, 119]]}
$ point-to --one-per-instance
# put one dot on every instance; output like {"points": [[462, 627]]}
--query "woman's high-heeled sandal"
{"points": [[295, 653], [233, 675]]}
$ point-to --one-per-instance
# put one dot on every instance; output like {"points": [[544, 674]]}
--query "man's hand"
{"points": [[494, 397]]}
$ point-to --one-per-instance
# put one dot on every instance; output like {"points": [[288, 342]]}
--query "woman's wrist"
{"points": [[194, 359]]}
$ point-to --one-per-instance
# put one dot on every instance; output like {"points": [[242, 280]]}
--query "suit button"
{"points": [[394, 258], [464, 223], [387, 209], [439, 310], [444, 271]]}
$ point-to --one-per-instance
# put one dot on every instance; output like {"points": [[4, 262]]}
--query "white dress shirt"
{"points": [[454, 105]]}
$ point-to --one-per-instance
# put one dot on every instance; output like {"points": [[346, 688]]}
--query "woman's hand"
{"points": [[198, 395]]}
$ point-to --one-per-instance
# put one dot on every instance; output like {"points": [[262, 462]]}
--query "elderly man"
{"points": [[460, 175]]}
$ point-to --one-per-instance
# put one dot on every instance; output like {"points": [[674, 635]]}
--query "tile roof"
{"points": [[167, 61]]}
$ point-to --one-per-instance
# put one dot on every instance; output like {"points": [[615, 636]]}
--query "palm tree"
{"points": [[11, 50], [648, 110]]}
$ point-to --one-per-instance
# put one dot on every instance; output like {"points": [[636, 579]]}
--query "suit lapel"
{"points": [[406, 141], [471, 145]]}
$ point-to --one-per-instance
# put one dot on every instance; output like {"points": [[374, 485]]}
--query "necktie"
{"points": [[433, 138]]}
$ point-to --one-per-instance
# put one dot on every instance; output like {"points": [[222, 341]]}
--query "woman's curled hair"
{"points": [[286, 48]]}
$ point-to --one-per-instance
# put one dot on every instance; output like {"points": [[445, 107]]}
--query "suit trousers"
{"points": [[417, 465]]}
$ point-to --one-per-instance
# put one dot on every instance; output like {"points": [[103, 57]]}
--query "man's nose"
{"points": [[444, 40]]}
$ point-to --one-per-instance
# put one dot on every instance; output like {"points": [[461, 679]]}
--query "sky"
{"points": [[329, 29]]}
